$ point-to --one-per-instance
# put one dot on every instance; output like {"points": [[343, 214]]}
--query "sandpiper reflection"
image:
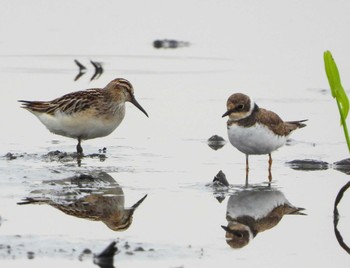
{"points": [[255, 210], [95, 196]]}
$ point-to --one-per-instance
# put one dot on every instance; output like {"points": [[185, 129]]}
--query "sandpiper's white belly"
{"points": [[81, 125], [257, 139]]}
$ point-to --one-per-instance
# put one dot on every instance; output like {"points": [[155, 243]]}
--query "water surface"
{"points": [[270, 51]]}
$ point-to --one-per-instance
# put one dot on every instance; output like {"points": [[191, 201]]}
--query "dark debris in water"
{"points": [[109, 251], [58, 156], [220, 179], [30, 255], [343, 166], [220, 186], [216, 142], [67, 157], [311, 164], [22, 249], [169, 43], [84, 254], [10, 156], [308, 164], [106, 257]]}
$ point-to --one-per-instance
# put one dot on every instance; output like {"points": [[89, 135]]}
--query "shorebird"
{"points": [[256, 131], [86, 114], [96, 197], [252, 211]]}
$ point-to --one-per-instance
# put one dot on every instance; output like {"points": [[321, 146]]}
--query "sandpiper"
{"points": [[256, 131], [86, 114], [96, 196]]}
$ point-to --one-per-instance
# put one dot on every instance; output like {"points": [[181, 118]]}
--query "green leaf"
{"points": [[336, 87], [343, 100], [331, 71]]}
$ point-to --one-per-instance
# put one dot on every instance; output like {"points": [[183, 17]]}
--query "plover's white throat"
{"points": [[253, 130], [86, 114]]}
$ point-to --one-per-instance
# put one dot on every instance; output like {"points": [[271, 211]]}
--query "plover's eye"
{"points": [[238, 234], [240, 107]]}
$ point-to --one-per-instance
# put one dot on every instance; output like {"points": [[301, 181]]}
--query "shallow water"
{"points": [[270, 51]]}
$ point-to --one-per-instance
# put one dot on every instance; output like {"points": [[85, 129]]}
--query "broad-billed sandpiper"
{"points": [[86, 114]]}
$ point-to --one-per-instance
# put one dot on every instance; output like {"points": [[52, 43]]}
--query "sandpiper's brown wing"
{"points": [[69, 103], [80, 209], [276, 124]]}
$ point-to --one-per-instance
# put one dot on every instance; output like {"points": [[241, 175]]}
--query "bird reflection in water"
{"points": [[95, 196], [254, 210]]}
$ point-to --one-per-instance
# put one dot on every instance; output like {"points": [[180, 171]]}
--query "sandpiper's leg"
{"points": [[246, 169], [79, 148], [270, 164]]}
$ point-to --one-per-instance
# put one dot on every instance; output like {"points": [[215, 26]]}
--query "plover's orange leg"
{"points": [[79, 148], [270, 164], [246, 169]]}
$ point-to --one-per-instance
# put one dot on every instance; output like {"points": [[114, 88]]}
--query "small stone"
{"points": [[30, 255], [139, 249], [342, 165], [10, 156], [87, 251], [126, 245], [220, 179], [216, 142], [308, 164], [109, 251]]}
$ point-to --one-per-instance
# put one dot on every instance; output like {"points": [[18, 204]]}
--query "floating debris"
{"points": [[220, 186], [98, 70], [30, 255], [14, 156], [86, 252], [72, 156], [168, 43], [343, 166], [139, 249], [82, 69], [10, 156], [308, 164], [216, 142], [103, 150], [105, 258], [220, 179], [109, 251]]}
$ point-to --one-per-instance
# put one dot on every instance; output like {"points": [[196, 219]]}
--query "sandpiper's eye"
{"points": [[240, 107]]}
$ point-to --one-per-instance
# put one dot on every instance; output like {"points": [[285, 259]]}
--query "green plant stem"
{"points": [[345, 128]]}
